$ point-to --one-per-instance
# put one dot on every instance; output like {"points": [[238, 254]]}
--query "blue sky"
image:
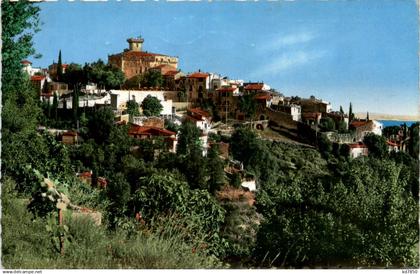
{"points": [[364, 52]]}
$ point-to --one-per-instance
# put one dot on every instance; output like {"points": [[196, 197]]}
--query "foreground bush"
{"points": [[26, 243]]}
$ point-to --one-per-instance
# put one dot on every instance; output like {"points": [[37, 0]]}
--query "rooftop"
{"points": [[198, 75], [37, 77], [148, 130], [254, 86], [199, 111], [226, 89]]}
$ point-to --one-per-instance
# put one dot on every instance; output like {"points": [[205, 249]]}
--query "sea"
{"points": [[390, 123]]}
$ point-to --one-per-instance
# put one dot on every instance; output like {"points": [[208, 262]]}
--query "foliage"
{"points": [[413, 145], [390, 131], [169, 125], [376, 145], [248, 105], [324, 145], [151, 106], [351, 114], [314, 215], [26, 243], [101, 124], [152, 78], [59, 75], [133, 109], [188, 139], [74, 75], [341, 126], [20, 21], [106, 76], [327, 124], [243, 144], [215, 169], [164, 194]]}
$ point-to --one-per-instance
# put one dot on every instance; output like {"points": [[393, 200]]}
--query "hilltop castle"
{"points": [[134, 61]]}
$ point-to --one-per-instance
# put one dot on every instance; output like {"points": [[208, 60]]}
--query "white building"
{"points": [[119, 99], [357, 150], [364, 127], [27, 67]]}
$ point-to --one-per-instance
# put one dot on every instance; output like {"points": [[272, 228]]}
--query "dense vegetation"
{"points": [[165, 210]]}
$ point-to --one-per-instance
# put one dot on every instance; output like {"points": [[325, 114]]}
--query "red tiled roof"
{"points": [[37, 77], [226, 89], [263, 97], [65, 65], [391, 143], [171, 73], [198, 75], [200, 112], [357, 145], [193, 119], [25, 62], [254, 87], [140, 54], [359, 123], [152, 131]]}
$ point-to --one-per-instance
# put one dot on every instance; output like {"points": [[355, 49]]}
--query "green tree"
{"points": [[324, 145], [215, 169], [376, 145], [106, 76], [75, 101], [74, 75], [101, 124], [341, 110], [188, 139], [20, 21], [413, 144], [351, 114], [118, 191], [341, 126], [59, 76], [55, 106], [169, 125], [133, 109], [152, 78], [248, 105], [327, 124], [151, 106], [243, 144]]}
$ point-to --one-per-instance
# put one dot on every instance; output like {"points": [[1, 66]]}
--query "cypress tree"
{"points": [[351, 115], [75, 103], [367, 116], [55, 105], [59, 76]]}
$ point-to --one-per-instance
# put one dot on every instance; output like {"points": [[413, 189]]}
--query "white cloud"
{"points": [[288, 40], [288, 61]]}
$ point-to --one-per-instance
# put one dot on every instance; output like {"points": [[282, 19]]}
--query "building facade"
{"points": [[134, 61]]}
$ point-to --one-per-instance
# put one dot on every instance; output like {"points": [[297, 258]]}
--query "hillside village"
{"points": [[134, 163], [214, 103]]}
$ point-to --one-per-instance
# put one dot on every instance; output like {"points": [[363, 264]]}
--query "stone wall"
{"points": [[341, 138], [280, 118]]}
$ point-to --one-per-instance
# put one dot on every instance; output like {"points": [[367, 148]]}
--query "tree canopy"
{"points": [[151, 106]]}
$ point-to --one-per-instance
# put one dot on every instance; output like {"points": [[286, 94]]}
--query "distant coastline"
{"points": [[391, 117]]}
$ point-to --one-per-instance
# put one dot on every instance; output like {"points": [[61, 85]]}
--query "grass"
{"points": [[26, 244]]}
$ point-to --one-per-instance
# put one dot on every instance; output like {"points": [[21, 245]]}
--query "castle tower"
{"points": [[134, 44]]}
